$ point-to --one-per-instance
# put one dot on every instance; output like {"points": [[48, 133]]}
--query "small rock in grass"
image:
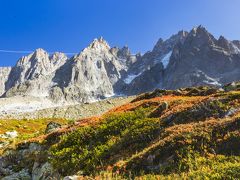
{"points": [[52, 126]]}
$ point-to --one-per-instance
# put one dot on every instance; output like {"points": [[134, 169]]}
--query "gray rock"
{"points": [[44, 172], [21, 175], [160, 109], [52, 126]]}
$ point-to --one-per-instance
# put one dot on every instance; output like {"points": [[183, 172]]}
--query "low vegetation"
{"points": [[25, 128], [192, 133]]}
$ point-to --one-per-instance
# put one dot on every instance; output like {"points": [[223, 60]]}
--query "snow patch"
{"points": [[212, 81], [131, 77], [18, 104], [235, 49], [165, 60], [109, 95]]}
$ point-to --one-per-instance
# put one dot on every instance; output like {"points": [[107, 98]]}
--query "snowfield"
{"points": [[166, 59], [131, 77], [20, 104]]}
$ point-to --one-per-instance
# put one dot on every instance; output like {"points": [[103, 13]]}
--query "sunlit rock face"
{"points": [[32, 75], [4, 75], [85, 77]]}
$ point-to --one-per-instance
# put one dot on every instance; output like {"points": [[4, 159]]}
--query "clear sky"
{"points": [[70, 25]]}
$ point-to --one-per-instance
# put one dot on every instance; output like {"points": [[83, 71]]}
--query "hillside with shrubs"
{"points": [[189, 133]]}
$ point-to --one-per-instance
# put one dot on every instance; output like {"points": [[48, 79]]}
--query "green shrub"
{"points": [[90, 148]]}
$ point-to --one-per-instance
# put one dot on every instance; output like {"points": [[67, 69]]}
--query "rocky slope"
{"points": [[189, 133], [99, 71]]}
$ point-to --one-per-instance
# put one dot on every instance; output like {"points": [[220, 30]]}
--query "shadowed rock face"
{"points": [[189, 59], [186, 59], [202, 60]]}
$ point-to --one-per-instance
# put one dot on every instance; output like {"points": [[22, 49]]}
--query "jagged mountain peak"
{"points": [[40, 51], [40, 56], [99, 43], [182, 33], [100, 71], [199, 36], [222, 38], [229, 46], [199, 29], [162, 47], [223, 42], [159, 44], [58, 55], [200, 32], [124, 52]]}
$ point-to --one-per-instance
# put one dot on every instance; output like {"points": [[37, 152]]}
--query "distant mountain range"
{"points": [[185, 59]]}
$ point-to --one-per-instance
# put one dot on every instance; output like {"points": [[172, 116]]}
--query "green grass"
{"points": [[26, 128]]}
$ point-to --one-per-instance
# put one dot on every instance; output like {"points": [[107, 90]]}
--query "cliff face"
{"points": [[91, 74], [32, 75], [88, 76], [202, 59], [185, 59]]}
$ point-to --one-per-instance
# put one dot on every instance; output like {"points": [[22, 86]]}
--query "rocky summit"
{"points": [[99, 71]]}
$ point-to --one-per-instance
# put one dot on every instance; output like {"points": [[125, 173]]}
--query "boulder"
{"points": [[21, 175], [52, 126], [44, 172]]}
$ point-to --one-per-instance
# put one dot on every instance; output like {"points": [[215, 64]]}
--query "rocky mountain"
{"points": [[185, 59], [91, 74]]}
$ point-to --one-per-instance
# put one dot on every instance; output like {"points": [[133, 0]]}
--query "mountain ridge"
{"points": [[99, 71]]}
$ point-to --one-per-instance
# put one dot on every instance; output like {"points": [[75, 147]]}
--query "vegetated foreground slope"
{"points": [[186, 133]]}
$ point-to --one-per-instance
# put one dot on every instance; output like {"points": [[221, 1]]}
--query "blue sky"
{"points": [[70, 25]]}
